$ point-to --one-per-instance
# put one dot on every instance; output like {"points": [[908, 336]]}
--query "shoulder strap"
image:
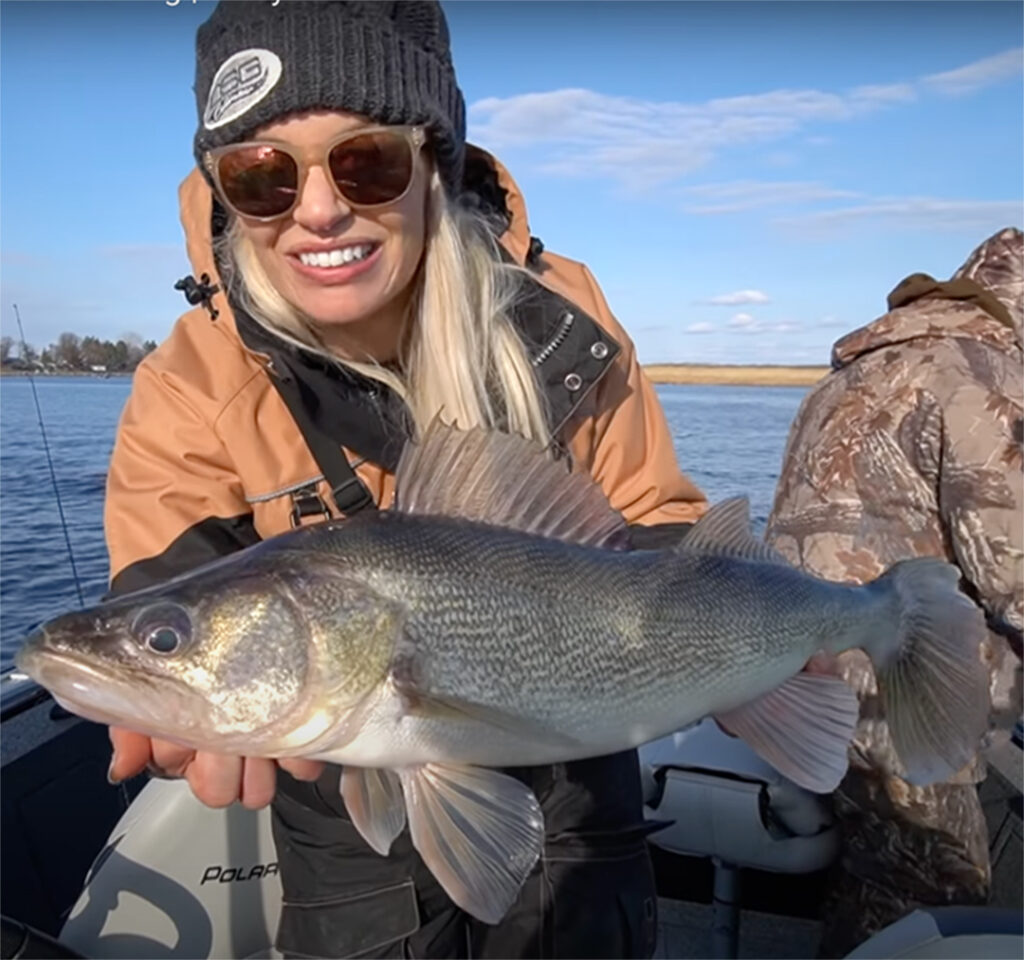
{"points": [[347, 490]]}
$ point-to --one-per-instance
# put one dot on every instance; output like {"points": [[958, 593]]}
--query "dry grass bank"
{"points": [[747, 376]]}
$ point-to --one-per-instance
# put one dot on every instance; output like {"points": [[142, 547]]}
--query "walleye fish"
{"points": [[495, 618]]}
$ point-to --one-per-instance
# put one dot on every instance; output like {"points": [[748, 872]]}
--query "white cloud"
{"points": [[742, 320], [879, 95], [788, 106], [637, 165], [981, 73], [644, 143], [737, 297], [700, 328], [917, 213], [744, 323], [781, 158], [737, 195]]}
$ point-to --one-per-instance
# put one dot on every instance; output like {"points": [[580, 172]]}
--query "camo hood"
{"points": [[981, 302]]}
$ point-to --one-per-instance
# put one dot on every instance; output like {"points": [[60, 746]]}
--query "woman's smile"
{"points": [[338, 263]]}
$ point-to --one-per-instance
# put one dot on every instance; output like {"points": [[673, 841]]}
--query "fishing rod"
{"points": [[49, 461]]}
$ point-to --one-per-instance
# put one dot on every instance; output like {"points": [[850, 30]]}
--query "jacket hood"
{"points": [[982, 301], [487, 187]]}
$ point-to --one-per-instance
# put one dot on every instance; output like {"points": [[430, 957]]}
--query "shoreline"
{"points": [[710, 374], [735, 375], [66, 373]]}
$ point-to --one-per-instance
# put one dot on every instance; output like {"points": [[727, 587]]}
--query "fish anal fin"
{"points": [[479, 832], [802, 728]]}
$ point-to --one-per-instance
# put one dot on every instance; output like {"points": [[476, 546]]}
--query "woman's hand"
{"points": [[217, 780]]}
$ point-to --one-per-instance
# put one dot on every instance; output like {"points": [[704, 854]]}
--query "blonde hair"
{"points": [[460, 356]]}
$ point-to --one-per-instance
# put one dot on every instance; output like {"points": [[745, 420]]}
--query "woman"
{"points": [[361, 270]]}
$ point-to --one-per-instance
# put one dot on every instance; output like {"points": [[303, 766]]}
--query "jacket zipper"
{"points": [[559, 338]]}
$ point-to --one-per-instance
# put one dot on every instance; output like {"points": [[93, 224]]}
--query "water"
{"points": [[729, 440], [80, 414]]}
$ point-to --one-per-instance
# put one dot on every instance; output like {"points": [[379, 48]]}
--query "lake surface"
{"points": [[729, 440]]}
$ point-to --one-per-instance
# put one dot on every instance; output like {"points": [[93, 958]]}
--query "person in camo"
{"points": [[911, 446]]}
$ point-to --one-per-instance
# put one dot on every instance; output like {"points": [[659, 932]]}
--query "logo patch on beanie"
{"points": [[242, 81]]}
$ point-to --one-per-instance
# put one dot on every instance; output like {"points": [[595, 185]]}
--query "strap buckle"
{"points": [[349, 501], [307, 503]]}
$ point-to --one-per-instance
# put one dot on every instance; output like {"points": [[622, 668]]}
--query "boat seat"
{"points": [[948, 933], [729, 805]]}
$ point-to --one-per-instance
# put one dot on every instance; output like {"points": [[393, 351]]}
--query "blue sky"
{"points": [[747, 181]]}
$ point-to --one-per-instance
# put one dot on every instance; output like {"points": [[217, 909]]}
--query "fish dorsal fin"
{"points": [[725, 531], [507, 481]]}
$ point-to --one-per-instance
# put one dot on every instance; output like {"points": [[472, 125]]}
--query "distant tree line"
{"points": [[72, 352]]}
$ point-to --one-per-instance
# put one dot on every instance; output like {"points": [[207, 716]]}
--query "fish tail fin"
{"points": [[932, 681]]}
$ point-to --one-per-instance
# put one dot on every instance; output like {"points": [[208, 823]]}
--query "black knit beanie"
{"points": [[389, 61]]}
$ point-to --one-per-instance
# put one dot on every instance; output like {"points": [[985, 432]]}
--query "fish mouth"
{"points": [[120, 695], [101, 693]]}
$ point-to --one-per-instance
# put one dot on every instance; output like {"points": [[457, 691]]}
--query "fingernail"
{"points": [[154, 771], [111, 779]]}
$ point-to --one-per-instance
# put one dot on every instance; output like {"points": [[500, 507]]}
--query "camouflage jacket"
{"points": [[911, 446]]}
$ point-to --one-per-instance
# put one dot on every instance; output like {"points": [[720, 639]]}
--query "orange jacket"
{"points": [[209, 459]]}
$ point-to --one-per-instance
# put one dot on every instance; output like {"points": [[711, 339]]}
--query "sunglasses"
{"points": [[369, 167]]}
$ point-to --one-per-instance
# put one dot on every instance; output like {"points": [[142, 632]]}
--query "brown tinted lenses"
{"points": [[369, 169], [373, 167], [259, 181]]}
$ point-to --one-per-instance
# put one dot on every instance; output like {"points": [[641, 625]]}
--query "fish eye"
{"points": [[163, 640], [164, 628]]}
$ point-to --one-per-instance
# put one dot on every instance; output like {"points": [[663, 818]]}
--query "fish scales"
{"points": [[583, 638]]}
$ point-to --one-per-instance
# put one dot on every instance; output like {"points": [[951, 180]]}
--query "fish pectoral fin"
{"points": [[374, 801], [430, 704], [480, 832], [802, 728]]}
